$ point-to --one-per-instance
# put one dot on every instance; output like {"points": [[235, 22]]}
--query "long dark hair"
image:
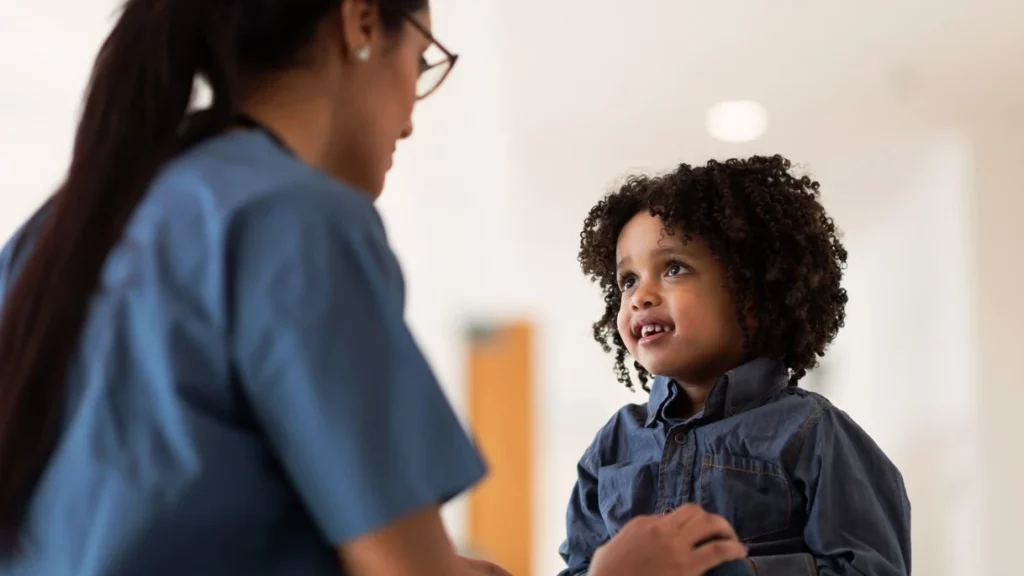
{"points": [[135, 118]]}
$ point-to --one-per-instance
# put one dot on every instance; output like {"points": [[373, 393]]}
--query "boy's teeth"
{"points": [[649, 329]]}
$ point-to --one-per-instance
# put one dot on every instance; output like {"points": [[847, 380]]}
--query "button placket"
{"points": [[687, 458], [676, 468]]}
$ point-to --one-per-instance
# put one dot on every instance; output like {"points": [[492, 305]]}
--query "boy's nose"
{"points": [[645, 298]]}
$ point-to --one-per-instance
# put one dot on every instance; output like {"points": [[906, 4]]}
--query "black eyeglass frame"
{"points": [[450, 57]]}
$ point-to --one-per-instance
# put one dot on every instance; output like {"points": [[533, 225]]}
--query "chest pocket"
{"points": [[753, 495], [624, 492]]}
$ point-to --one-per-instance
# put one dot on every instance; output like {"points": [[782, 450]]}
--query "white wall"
{"points": [[998, 253], [46, 52], [451, 208], [904, 364]]}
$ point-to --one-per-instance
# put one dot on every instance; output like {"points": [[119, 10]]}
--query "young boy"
{"points": [[722, 283]]}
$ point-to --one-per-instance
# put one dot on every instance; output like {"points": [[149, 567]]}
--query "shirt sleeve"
{"points": [[734, 568], [858, 518], [333, 375], [585, 528]]}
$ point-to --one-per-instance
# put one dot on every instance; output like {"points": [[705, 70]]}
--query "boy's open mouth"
{"points": [[648, 329]]}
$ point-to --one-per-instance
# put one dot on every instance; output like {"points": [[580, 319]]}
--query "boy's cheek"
{"points": [[622, 323], [627, 339]]}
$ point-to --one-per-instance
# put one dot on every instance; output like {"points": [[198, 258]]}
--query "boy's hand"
{"points": [[687, 542]]}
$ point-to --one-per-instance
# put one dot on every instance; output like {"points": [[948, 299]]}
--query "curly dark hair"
{"points": [[781, 253]]}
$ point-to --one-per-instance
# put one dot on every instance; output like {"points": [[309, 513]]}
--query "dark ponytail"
{"points": [[131, 124]]}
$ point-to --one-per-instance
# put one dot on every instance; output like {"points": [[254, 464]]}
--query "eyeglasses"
{"points": [[435, 64]]}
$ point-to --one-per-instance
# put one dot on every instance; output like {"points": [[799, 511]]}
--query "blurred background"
{"points": [[907, 111]]}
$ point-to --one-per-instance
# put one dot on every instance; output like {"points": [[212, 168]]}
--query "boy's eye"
{"points": [[626, 282], [675, 269]]}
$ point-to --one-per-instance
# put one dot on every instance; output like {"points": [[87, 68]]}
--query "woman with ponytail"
{"points": [[203, 363], [204, 368]]}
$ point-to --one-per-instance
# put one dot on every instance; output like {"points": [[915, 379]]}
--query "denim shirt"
{"points": [[806, 489]]}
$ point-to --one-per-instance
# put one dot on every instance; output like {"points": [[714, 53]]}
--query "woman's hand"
{"points": [[687, 542], [477, 567]]}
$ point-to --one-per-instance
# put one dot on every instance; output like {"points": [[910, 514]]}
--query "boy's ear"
{"points": [[750, 317]]}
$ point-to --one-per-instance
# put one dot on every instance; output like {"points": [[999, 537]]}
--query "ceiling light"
{"points": [[736, 121]]}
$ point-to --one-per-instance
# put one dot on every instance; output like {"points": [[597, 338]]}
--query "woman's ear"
{"points": [[360, 26]]}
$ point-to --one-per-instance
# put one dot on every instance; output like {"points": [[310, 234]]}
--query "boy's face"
{"points": [[676, 317]]}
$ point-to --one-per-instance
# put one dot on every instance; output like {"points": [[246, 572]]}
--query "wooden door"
{"points": [[501, 416]]}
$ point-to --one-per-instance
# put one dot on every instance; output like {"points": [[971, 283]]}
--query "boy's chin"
{"points": [[660, 367], [675, 369], [679, 362]]}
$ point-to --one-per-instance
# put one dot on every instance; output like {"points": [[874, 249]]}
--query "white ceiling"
{"points": [[783, 49], [587, 91]]}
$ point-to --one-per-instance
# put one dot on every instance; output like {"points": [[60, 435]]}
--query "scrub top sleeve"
{"points": [[342, 391]]}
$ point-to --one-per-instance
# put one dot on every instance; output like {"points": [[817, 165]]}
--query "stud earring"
{"points": [[363, 54]]}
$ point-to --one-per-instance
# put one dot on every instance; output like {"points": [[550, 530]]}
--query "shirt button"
{"points": [[666, 511], [680, 438]]}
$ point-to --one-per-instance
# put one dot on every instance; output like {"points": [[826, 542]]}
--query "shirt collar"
{"points": [[738, 390]]}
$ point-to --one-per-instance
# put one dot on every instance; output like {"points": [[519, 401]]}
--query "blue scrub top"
{"points": [[246, 395]]}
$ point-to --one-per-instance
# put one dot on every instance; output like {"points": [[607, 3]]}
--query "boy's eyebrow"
{"points": [[670, 250], [677, 249]]}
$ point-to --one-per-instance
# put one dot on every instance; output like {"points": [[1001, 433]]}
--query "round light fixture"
{"points": [[736, 121]]}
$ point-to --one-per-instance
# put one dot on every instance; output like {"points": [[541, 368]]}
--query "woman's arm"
{"points": [[338, 386], [416, 545]]}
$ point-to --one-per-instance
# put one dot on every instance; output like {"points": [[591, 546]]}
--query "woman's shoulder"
{"points": [[239, 191], [237, 206], [244, 172]]}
